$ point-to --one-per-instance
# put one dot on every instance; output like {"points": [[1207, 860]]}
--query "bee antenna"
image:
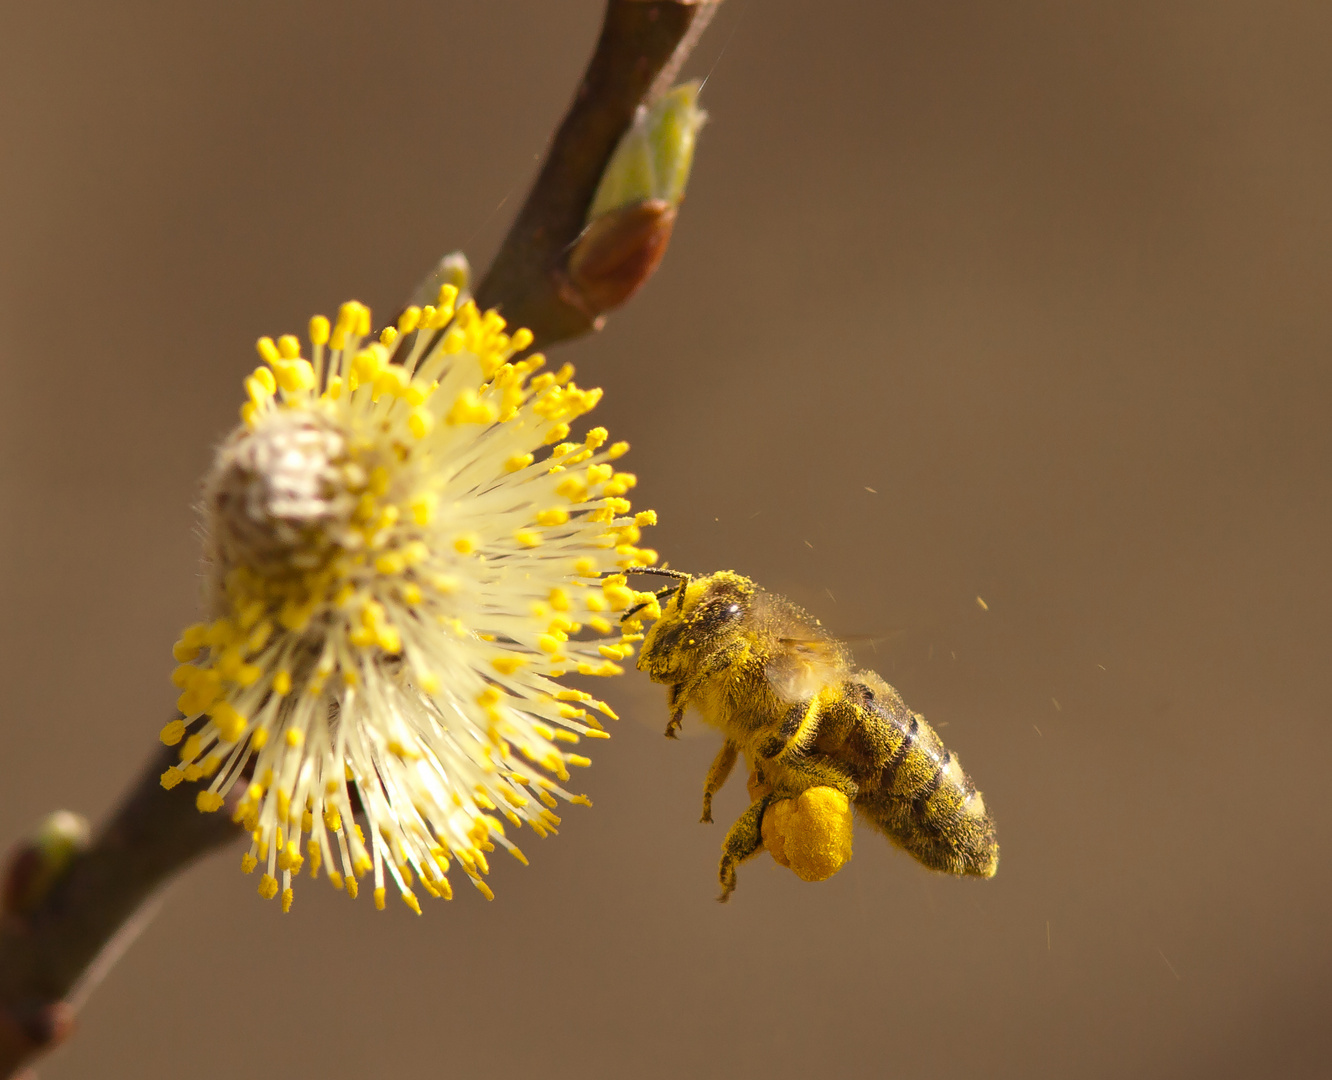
{"points": [[660, 594], [662, 571]]}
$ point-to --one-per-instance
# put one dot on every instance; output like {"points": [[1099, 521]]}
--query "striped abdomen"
{"points": [[919, 795]]}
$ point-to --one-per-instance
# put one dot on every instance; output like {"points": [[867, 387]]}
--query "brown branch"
{"points": [[642, 45], [45, 952], [49, 949]]}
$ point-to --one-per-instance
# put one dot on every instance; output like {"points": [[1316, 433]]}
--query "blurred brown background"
{"points": [[1051, 279]]}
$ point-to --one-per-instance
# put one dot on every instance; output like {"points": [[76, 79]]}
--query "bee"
{"points": [[785, 694]]}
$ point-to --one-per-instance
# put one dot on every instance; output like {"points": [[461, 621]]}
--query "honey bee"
{"points": [[784, 693]]}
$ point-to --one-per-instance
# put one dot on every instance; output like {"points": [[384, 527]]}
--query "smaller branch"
{"points": [[643, 43], [45, 953]]}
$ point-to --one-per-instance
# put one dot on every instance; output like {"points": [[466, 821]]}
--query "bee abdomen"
{"points": [[928, 805]]}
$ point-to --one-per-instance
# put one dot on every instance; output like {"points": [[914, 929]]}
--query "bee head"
{"points": [[697, 617]]}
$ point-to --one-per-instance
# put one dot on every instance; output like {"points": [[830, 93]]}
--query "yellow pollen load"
{"points": [[380, 651]]}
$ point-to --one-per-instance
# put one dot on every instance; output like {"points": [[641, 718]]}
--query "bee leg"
{"points": [[743, 841], [819, 770], [677, 710], [788, 750], [717, 776], [677, 718]]}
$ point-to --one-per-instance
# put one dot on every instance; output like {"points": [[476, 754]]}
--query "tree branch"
{"points": [[49, 949], [46, 952], [642, 45]]}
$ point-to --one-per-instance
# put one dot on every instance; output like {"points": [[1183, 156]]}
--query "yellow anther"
{"points": [[409, 320], [572, 487], [517, 462], [422, 507], [259, 739], [556, 434], [618, 596], [208, 801], [552, 517], [248, 863], [319, 330], [470, 409], [421, 422], [268, 886], [380, 895], [264, 377], [172, 777], [268, 349], [391, 563], [466, 544], [173, 732], [282, 682], [367, 366], [528, 537], [289, 347], [645, 517], [290, 857], [391, 380], [507, 665], [295, 737], [229, 723], [287, 897]]}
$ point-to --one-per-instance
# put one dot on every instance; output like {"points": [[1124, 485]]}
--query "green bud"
{"points": [[654, 156], [60, 837], [453, 269], [40, 861]]}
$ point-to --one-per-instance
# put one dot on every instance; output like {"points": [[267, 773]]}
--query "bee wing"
{"points": [[812, 648], [805, 666]]}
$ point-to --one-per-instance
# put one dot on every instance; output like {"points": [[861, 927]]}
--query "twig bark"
{"points": [[49, 952], [642, 45], [45, 953]]}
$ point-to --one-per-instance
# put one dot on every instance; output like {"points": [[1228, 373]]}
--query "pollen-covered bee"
{"points": [[784, 693]]}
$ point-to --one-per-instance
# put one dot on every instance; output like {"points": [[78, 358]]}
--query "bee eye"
{"points": [[734, 609]]}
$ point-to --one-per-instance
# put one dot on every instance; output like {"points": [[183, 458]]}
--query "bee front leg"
{"points": [[677, 710], [743, 841], [717, 776]]}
